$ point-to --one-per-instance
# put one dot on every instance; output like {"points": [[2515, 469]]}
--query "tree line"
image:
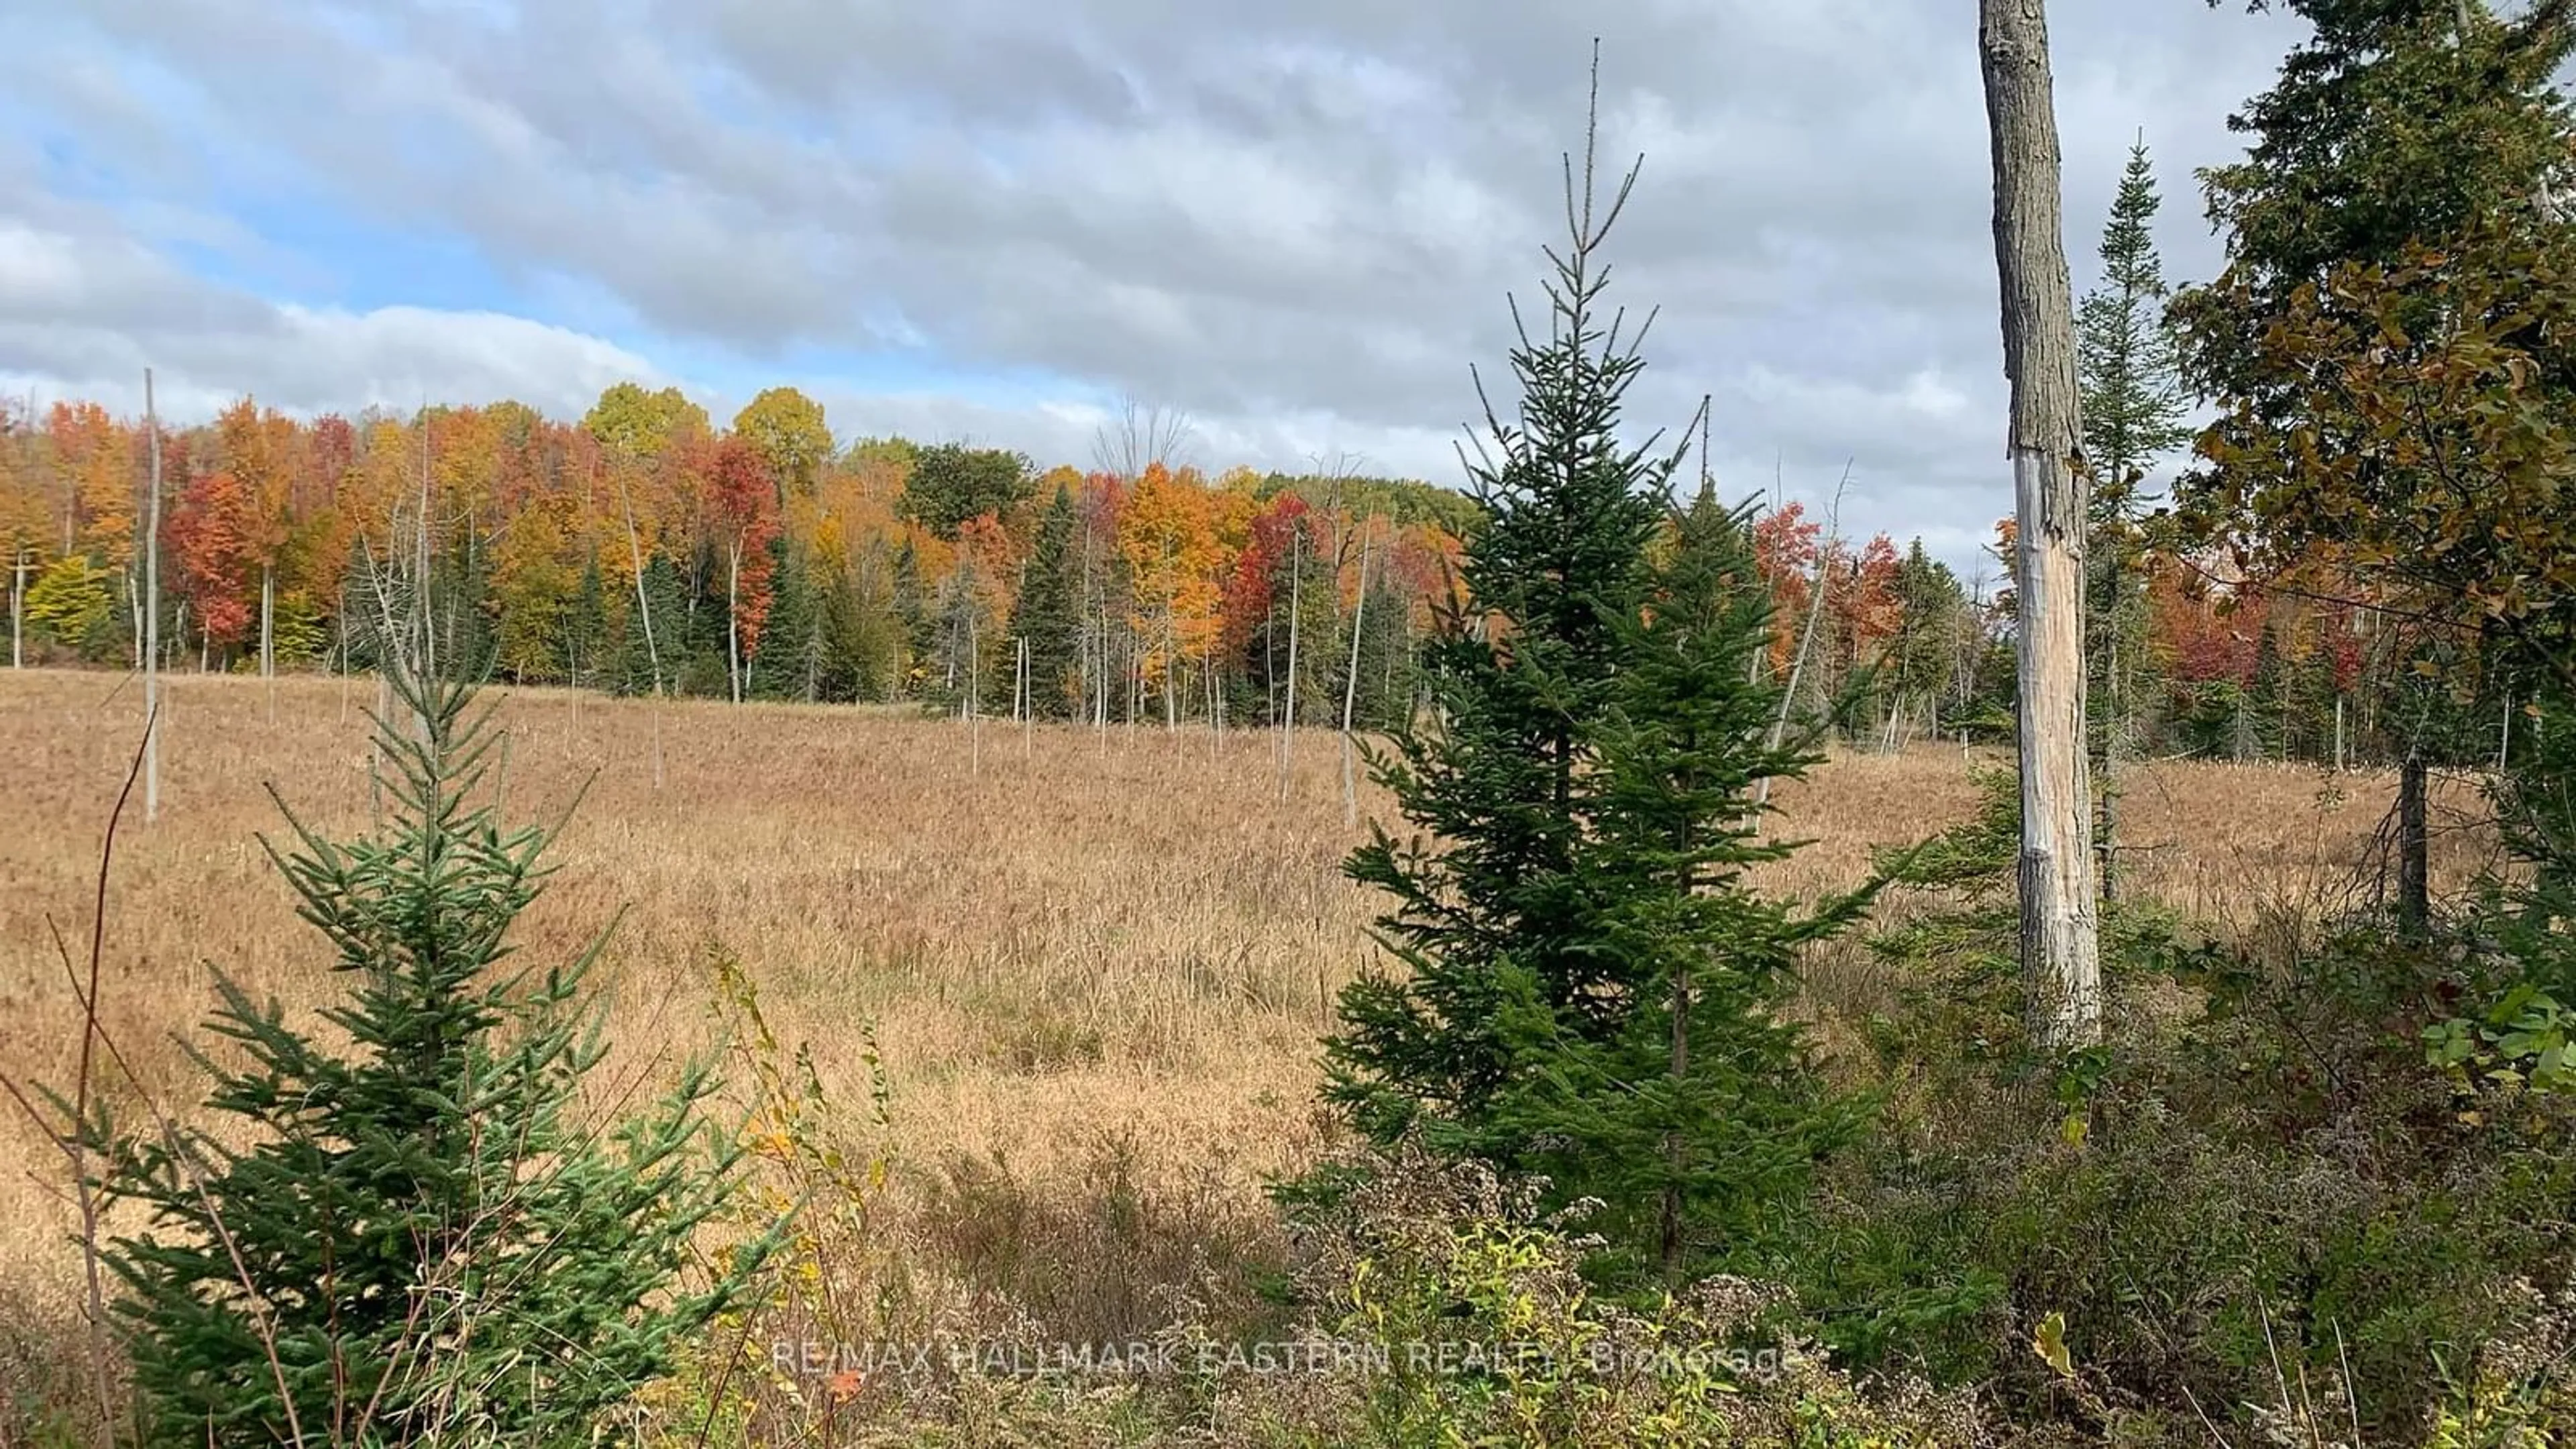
{"points": [[642, 548]]}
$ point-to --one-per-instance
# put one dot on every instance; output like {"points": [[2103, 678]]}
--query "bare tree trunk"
{"points": [[18, 609], [20, 554], [340, 653], [2414, 854], [2114, 726], [1288, 712], [2061, 961], [1817, 603], [428, 632], [268, 635], [1351, 691], [152, 613], [1679, 1068], [1093, 656], [644, 610], [733, 619]]}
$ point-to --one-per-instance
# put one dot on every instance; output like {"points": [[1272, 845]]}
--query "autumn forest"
{"points": [[642, 548]]}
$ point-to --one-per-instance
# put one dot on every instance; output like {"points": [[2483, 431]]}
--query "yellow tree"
{"points": [[26, 520], [89, 460], [465, 446], [258, 448], [1167, 535], [641, 423], [535, 575], [788, 430], [645, 483], [382, 481], [95, 457]]}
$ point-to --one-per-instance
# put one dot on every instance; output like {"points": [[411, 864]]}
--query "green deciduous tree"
{"points": [[793, 440], [68, 601], [951, 483], [2386, 342], [2429, 453], [642, 424]]}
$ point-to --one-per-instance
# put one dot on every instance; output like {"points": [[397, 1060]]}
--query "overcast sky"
{"points": [[991, 219]]}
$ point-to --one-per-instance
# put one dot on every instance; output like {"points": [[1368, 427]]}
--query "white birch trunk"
{"points": [[152, 613], [18, 610], [644, 610]]}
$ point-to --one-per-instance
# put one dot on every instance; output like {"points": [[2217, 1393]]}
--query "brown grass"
{"points": [[1127, 940]]}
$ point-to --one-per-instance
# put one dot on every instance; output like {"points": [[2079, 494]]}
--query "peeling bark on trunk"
{"points": [[2060, 953]]}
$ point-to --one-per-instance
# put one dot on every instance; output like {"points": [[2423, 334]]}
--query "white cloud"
{"points": [[1297, 223], [78, 318]]}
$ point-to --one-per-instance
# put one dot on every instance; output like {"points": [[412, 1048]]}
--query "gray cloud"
{"points": [[1298, 223]]}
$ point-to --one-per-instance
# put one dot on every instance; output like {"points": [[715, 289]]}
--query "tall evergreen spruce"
{"points": [[585, 637], [2128, 368], [2394, 121], [1302, 601], [1386, 666], [790, 660], [2127, 357], [1047, 613], [1697, 1118], [665, 642], [1554, 564], [913, 612], [1581, 786], [412, 1232]]}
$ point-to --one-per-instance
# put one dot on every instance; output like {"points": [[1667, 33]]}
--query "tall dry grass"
{"points": [[1076, 946]]}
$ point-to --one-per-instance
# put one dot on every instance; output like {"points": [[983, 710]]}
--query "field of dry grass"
{"points": [[1063, 939]]}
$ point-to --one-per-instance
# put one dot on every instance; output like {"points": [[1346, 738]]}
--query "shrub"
{"points": [[1463, 1317], [2258, 1194]]}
